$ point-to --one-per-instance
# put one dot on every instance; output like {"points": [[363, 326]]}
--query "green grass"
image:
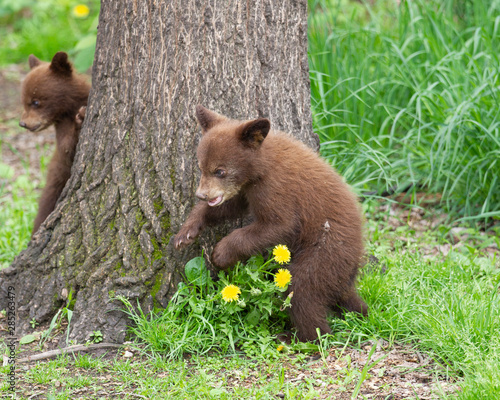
{"points": [[44, 27], [17, 212], [409, 94], [18, 207], [449, 306], [196, 378]]}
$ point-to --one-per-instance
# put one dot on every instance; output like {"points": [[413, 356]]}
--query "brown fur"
{"points": [[294, 198], [53, 94]]}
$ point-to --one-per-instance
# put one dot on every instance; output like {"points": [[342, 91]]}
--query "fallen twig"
{"points": [[34, 395], [71, 349]]}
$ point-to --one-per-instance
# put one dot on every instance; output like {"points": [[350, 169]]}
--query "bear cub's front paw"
{"points": [[80, 117], [224, 256], [186, 235]]}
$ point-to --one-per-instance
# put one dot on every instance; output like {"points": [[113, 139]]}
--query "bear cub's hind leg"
{"points": [[308, 313]]}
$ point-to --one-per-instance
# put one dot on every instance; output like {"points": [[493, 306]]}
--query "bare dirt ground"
{"points": [[400, 373]]}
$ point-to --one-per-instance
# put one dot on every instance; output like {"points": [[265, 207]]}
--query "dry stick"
{"points": [[34, 395], [70, 349]]}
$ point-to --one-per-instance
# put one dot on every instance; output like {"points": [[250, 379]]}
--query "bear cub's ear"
{"points": [[207, 119], [60, 64], [33, 61], [253, 133]]}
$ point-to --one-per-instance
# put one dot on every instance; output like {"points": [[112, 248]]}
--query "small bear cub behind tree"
{"points": [[53, 94], [293, 198]]}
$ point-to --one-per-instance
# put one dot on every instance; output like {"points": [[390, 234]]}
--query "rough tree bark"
{"points": [[135, 171]]}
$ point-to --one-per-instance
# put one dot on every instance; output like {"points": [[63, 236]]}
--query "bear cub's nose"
{"points": [[201, 196]]}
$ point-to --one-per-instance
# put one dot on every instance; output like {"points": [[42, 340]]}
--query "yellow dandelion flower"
{"points": [[282, 278], [280, 347], [230, 293], [281, 254], [80, 11]]}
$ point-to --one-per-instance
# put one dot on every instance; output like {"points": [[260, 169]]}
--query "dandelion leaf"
{"points": [[196, 272]]}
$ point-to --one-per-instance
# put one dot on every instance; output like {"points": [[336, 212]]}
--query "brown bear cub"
{"points": [[294, 198], [53, 94]]}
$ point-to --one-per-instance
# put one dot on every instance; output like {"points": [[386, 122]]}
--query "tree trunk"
{"points": [[135, 171]]}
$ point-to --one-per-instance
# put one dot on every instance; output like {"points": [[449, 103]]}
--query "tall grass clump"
{"points": [[243, 309], [409, 94]]}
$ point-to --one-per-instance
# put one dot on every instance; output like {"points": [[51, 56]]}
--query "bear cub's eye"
{"points": [[35, 103], [220, 173]]}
